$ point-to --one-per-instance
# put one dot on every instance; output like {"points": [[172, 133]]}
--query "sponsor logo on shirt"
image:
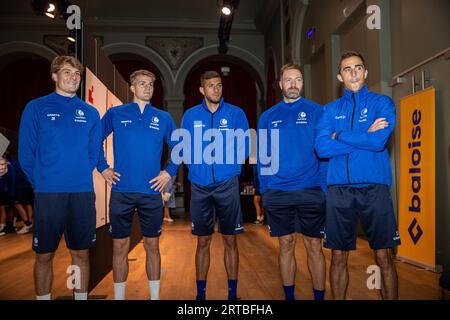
{"points": [[339, 117], [276, 122], [79, 116], [301, 118], [155, 123], [53, 116], [126, 122]]}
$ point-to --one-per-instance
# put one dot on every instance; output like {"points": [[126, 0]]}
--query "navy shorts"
{"points": [[6, 200], [301, 211], [121, 213], [372, 205], [24, 196], [223, 202], [56, 213]]}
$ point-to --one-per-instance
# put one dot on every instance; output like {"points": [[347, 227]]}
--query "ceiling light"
{"points": [[226, 10], [51, 7]]}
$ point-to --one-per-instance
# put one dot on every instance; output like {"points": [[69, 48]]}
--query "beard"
{"points": [[291, 93], [212, 100]]}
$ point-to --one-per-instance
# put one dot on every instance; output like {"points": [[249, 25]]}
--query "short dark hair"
{"points": [[290, 66], [208, 75], [350, 54]]}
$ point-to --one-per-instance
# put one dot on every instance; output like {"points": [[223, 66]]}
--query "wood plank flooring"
{"points": [[258, 274]]}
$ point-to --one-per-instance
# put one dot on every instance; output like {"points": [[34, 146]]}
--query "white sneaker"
{"points": [[25, 229]]}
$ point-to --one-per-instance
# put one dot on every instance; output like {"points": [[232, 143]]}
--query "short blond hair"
{"points": [[59, 61], [141, 72], [290, 66]]}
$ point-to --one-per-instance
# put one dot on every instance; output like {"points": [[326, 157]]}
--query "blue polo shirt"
{"points": [[138, 144], [59, 143]]}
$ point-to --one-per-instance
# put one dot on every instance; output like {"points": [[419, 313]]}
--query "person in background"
{"points": [[169, 198]]}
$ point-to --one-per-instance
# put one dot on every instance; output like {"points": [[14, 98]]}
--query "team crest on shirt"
{"points": [[363, 115], [223, 124], [301, 118], [79, 116], [155, 123]]}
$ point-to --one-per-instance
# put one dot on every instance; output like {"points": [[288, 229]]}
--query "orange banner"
{"points": [[416, 200]]}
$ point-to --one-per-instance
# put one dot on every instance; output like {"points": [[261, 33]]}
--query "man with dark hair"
{"points": [[353, 132], [214, 179], [59, 145], [140, 130], [292, 197]]}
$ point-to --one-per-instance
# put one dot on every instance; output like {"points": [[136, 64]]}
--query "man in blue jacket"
{"points": [[140, 130], [214, 166], [353, 133], [59, 145], [292, 195]]}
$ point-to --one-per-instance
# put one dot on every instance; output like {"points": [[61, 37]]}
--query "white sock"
{"points": [[154, 289], [44, 297], [119, 290], [80, 295]]}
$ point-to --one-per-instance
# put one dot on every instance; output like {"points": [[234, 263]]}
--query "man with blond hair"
{"points": [[137, 181], [59, 144]]}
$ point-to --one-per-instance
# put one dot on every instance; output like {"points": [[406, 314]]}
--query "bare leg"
{"points": [[231, 256], [389, 280], [80, 258], [43, 273], [120, 259], [153, 264], [258, 207], [316, 261], [202, 257], [21, 210], [286, 259], [339, 274]]}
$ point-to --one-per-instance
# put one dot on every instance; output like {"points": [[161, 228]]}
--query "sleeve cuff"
{"points": [[171, 169]]}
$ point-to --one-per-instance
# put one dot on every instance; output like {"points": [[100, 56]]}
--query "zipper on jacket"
{"points": [[212, 162], [351, 128]]}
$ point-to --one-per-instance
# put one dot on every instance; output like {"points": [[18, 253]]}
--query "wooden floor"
{"points": [[258, 274]]}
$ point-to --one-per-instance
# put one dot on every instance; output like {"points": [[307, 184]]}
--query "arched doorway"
{"points": [[239, 88], [24, 76], [127, 63]]}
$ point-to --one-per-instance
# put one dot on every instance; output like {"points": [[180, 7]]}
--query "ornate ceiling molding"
{"points": [[174, 50]]}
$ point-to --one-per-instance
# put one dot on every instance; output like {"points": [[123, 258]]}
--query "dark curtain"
{"points": [[21, 81]]}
